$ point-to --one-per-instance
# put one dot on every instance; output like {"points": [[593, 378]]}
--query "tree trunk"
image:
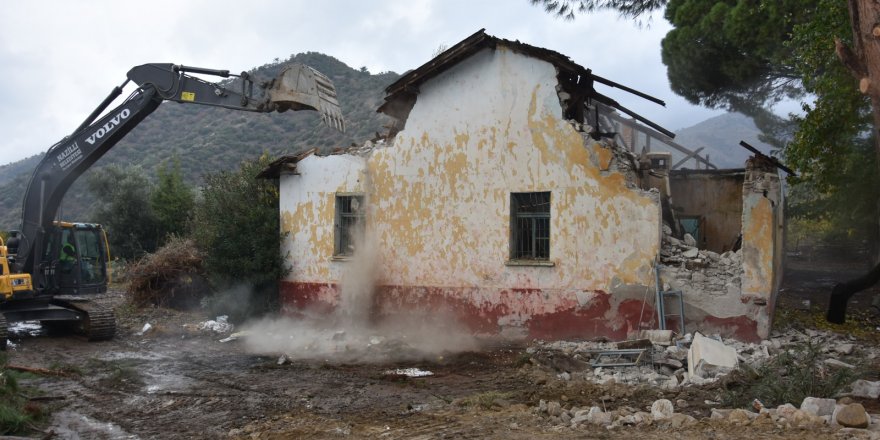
{"points": [[842, 292], [863, 61]]}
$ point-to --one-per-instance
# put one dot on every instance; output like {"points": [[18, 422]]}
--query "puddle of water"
{"points": [[163, 382], [74, 425], [127, 355], [28, 328]]}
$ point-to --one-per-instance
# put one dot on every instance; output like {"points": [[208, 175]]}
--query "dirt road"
{"points": [[178, 383], [174, 383]]}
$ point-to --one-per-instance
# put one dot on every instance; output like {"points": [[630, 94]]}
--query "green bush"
{"points": [[786, 378], [236, 225], [15, 418]]}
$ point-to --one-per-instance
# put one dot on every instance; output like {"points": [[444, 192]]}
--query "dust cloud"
{"points": [[354, 332]]}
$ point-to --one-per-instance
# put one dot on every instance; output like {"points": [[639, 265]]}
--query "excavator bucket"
{"points": [[300, 87]]}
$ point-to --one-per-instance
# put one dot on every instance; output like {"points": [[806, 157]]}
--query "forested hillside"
{"points": [[206, 139]]}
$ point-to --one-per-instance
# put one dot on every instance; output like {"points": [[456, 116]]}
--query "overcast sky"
{"points": [[59, 59]]}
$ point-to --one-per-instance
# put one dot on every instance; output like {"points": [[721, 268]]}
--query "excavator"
{"points": [[52, 270]]}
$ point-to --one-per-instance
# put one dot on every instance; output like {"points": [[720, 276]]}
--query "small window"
{"points": [[530, 226], [349, 223]]}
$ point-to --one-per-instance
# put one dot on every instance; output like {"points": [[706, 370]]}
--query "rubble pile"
{"points": [[812, 413], [696, 271], [696, 360]]}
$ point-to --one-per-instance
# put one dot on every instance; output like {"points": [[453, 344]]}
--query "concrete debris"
{"points": [[409, 372], [219, 325], [235, 336], [834, 363], [708, 357], [146, 328], [657, 337], [845, 349], [865, 389], [662, 409], [818, 407]]}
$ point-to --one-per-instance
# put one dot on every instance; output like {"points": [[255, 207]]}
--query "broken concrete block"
{"points": [[691, 253], [818, 406], [689, 240], [867, 389], [554, 408], [662, 409], [838, 364], [843, 348], [708, 357], [658, 337]]}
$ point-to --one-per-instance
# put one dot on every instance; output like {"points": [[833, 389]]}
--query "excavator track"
{"points": [[99, 323], [3, 333]]}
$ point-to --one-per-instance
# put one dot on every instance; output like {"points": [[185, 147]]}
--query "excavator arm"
{"points": [[298, 87]]}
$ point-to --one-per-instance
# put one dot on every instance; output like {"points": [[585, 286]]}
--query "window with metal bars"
{"points": [[530, 226], [349, 223]]}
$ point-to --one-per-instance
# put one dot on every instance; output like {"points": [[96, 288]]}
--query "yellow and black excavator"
{"points": [[53, 269]]}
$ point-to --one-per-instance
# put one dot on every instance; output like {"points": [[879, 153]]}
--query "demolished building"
{"points": [[499, 198]]}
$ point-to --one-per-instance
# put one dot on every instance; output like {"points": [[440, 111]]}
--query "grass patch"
{"points": [[17, 415], [786, 378]]}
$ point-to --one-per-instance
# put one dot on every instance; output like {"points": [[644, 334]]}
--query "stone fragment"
{"points": [[838, 364], [554, 408], [679, 420], [803, 419], [643, 418], [677, 352], [786, 410], [599, 417], [852, 416], [662, 409], [580, 416], [565, 418], [542, 406], [720, 414], [844, 348], [691, 253], [818, 406], [657, 337], [739, 417], [866, 389], [688, 239], [708, 357]]}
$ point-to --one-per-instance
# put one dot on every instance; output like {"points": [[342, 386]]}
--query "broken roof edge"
{"points": [[467, 47], [400, 95], [285, 163]]}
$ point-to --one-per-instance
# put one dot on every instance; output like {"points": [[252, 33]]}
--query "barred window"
{"points": [[349, 223], [530, 226]]}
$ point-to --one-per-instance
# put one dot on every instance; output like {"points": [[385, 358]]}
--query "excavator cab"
{"points": [[75, 259]]}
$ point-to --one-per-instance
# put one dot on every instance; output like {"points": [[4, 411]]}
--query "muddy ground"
{"points": [[176, 382]]}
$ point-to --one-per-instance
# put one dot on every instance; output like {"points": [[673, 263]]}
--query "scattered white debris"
{"points": [[147, 327], [708, 357], [283, 360], [409, 372], [234, 336], [30, 328], [866, 389], [220, 325]]}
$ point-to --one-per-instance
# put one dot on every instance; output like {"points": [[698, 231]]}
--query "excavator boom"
{"points": [[297, 87]]}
